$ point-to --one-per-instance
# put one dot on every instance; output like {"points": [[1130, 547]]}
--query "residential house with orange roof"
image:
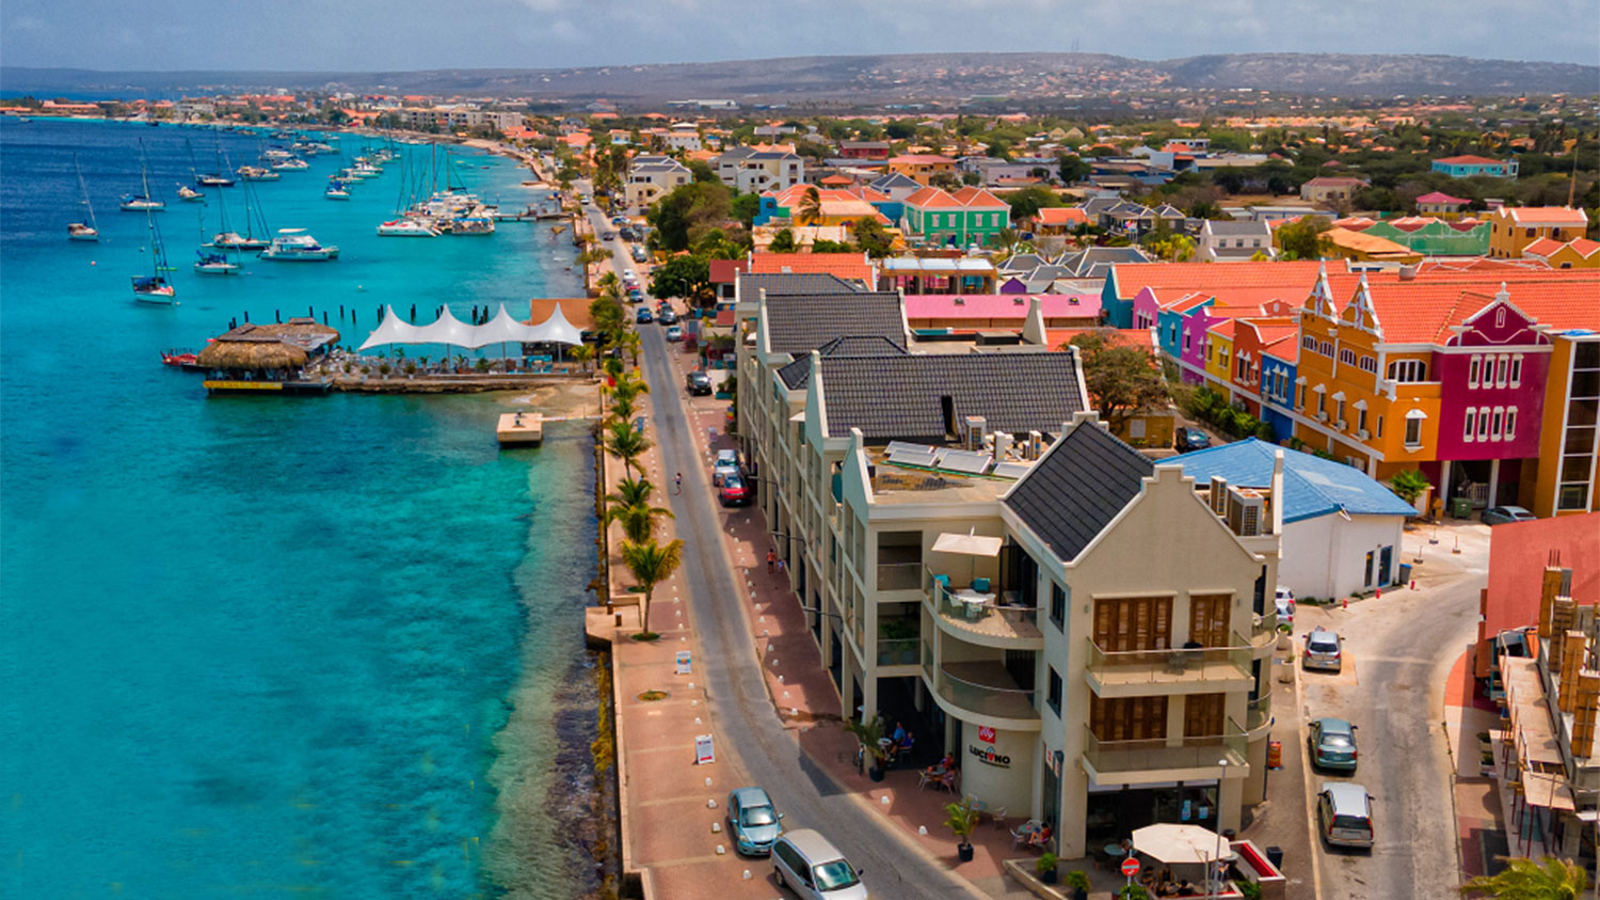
{"points": [[1471, 166], [1512, 228], [922, 166], [1058, 220], [1578, 253], [970, 215], [849, 266], [1440, 205]]}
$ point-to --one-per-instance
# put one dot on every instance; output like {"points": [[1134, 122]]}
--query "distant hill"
{"points": [[880, 79]]}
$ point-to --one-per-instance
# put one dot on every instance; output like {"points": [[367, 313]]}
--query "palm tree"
{"points": [[622, 408], [627, 385], [630, 505], [810, 207], [1524, 879], [582, 354], [624, 442], [650, 563], [630, 343]]}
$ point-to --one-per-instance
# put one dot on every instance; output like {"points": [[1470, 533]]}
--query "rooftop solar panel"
{"points": [[968, 462]]}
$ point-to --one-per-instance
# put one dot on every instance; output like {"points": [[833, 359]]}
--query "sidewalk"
{"points": [[1480, 800]]}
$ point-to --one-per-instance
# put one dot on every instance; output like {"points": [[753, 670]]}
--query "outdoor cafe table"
{"points": [[972, 598]]}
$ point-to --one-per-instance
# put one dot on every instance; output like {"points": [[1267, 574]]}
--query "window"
{"points": [[1347, 356], [1516, 370], [1494, 428], [1408, 370], [1500, 364], [1380, 426], [1186, 337], [1326, 348], [1054, 695], [1361, 425], [1500, 317], [1340, 416], [1511, 423], [1483, 423], [1413, 431], [1471, 425], [1369, 364], [1472, 371], [1302, 396], [1322, 408], [1308, 343], [1058, 606]]}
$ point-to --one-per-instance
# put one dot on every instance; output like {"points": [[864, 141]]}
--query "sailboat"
{"points": [[233, 240], [190, 195], [219, 178], [144, 202], [80, 231], [215, 262], [154, 288]]}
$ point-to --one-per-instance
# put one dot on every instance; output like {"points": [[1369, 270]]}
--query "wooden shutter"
{"points": [[1133, 623], [1203, 714], [1208, 619]]}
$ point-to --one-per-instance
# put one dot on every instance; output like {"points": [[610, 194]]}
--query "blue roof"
{"points": [[1311, 486]]}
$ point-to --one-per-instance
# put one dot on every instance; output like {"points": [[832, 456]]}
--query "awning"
{"points": [[968, 544], [1172, 843], [447, 329]]}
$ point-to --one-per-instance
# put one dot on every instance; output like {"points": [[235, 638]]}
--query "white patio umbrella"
{"points": [[969, 544], [1176, 844]]}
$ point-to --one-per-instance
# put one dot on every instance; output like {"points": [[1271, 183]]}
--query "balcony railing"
{"points": [[1258, 714], [1267, 624], [898, 651], [985, 688], [1175, 666], [903, 576], [998, 616], [1159, 754]]}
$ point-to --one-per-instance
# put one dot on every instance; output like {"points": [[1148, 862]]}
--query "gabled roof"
{"points": [[932, 198], [1311, 486], [1224, 228], [1023, 262], [797, 374], [844, 265], [750, 285], [1470, 160], [1074, 491], [1422, 312], [1199, 276], [1542, 247], [976, 197], [726, 271], [1544, 215], [1442, 197], [800, 323], [891, 397], [1061, 215], [896, 180]]}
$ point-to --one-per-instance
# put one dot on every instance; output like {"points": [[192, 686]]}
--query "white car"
{"points": [[727, 463], [1285, 602]]}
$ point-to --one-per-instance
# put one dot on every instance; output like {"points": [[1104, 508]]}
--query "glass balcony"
{"points": [[1264, 629], [1161, 755], [1258, 715], [998, 616], [985, 689], [1135, 671], [898, 651]]}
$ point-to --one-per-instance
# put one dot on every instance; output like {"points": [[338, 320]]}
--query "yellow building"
{"points": [[1570, 485], [1578, 253], [1513, 228], [922, 166]]}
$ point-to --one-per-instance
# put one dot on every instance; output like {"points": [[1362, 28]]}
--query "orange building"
{"points": [[1511, 228]]}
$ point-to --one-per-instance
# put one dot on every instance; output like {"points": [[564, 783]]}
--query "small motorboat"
{"points": [[407, 228], [178, 358], [294, 245], [337, 190], [190, 195]]}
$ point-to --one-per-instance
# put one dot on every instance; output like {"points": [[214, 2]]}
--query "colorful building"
{"points": [[922, 166], [1470, 166], [1440, 204], [968, 216], [1515, 227], [1578, 253]]}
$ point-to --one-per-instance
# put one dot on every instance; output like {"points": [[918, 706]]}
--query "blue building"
{"points": [[1277, 389], [1468, 166]]}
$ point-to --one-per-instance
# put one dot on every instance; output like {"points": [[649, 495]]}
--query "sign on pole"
{"points": [[702, 750], [683, 662], [1130, 867]]}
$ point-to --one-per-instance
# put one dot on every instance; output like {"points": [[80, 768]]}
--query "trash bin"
{"points": [[1275, 856], [1405, 574], [1461, 507]]}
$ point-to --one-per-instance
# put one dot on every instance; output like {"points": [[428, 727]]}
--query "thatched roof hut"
{"points": [[306, 333], [251, 348]]}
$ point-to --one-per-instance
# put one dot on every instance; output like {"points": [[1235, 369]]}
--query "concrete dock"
{"points": [[519, 429]]}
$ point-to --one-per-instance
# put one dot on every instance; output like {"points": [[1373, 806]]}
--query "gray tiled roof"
{"points": [[1093, 261], [797, 374], [750, 285], [1222, 227], [1070, 495], [800, 323], [902, 397]]}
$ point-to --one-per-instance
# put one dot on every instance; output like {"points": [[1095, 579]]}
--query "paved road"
{"points": [[751, 729], [1401, 647]]}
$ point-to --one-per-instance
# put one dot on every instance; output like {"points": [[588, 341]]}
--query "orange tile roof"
{"points": [[844, 265], [1061, 215], [1542, 247], [975, 196], [922, 159], [1470, 160], [1223, 329], [1544, 215], [1421, 312], [930, 197], [1116, 337], [1204, 276], [1585, 247]]}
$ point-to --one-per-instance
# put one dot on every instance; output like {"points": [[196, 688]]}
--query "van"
{"points": [[1344, 813], [804, 862]]}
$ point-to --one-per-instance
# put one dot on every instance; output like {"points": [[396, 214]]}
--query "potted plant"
{"points": [[1133, 892], [870, 734], [1078, 880], [1046, 867], [961, 818]]}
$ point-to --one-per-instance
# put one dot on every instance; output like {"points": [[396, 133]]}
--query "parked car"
{"points": [[1333, 744], [1344, 812], [643, 316], [608, 236], [752, 821], [733, 491], [669, 316], [1324, 650], [634, 295], [674, 333], [619, 220], [639, 254], [698, 383], [1188, 439], [727, 463], [1284, 598], [805, 863], [1502, 515]]}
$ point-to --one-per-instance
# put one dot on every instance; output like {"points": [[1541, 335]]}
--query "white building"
{"points": [[651, 176], [1233, 241], [683, 136], [751, 171]]}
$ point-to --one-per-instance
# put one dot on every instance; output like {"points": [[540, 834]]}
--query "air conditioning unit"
{"points": [[1219, 494], [1342, 425], [1035, 447], [1002, 446], [1245, 512], [1322, 415], [1363, 434], [972, 432]]}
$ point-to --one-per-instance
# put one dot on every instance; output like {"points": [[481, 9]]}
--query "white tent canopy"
{"points": [[449, 330], [967, 544]]}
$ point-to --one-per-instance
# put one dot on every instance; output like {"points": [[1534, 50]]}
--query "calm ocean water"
{"points": [[251, 646]]}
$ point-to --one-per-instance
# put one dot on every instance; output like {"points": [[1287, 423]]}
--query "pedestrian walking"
{"points": [[677, 484], [772, 558]]}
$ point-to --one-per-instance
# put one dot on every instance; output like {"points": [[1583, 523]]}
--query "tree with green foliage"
{"points": [[1409, 484], [650, 564], [783, 242], [702, 171], [630, 507], [1304, 239], [872, 238], [745, 208], [1121, 380], [625, 442], [688, 277], [900, 130], [1524, 879], [823, 245], [810, 210], [681, 215], [1026, 203], [944, 181]]}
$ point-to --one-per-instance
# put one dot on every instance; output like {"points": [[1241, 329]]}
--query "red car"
{"points": [[733, 492]]}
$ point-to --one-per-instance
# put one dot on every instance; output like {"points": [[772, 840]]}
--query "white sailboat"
{"points": [[145, 202], [83, 231], [155, 288]]}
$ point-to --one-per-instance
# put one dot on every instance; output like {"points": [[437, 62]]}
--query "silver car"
{"points": [[1324, 650]]}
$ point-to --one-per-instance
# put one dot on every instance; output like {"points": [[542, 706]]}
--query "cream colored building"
{"points": [[976, 572], [649, 177]]}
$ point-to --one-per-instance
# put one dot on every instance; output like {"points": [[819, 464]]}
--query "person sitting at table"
{"points": [[1041, 838], [945, 765], [1185, 888], [897, 737], [948, 777], [904, 745]]}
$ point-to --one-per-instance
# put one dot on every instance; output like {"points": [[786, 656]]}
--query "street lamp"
{"points": [[1213, 883]]}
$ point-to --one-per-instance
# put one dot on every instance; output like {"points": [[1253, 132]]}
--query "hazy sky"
{"points": [[424, 34]]}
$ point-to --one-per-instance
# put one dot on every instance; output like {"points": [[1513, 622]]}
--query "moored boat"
{"points": [[294, 245], [257, 173], [155, 288], [337, 190], [190, 195], [407, 228], [293, 164], [215, 264], [83, 231]]}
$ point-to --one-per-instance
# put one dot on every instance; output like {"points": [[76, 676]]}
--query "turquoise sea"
{"points": [[325, 647]]}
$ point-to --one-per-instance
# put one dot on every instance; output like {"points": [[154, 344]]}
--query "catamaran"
{"points": [[83, 231], [294, 245], [154, 288]]}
